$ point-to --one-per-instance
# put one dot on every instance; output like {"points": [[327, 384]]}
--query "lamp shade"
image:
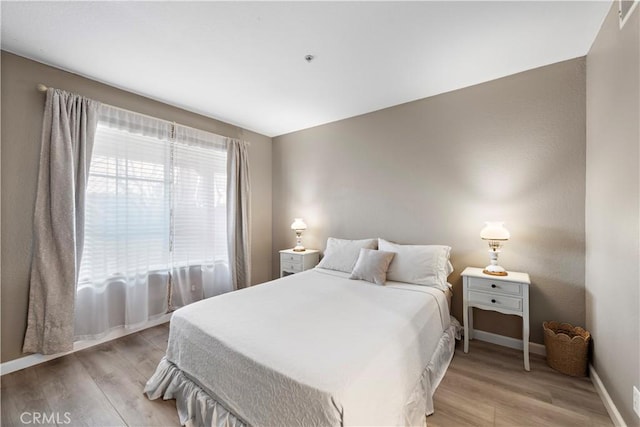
{"points": [[494, 230], [298, 224]]}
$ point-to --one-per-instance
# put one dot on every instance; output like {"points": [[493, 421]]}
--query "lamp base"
{"points": [[299, 249], [495, 273], [494, 269]]}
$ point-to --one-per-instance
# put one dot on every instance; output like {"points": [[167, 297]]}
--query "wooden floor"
{"points": [[489, 387], [102, 386]]}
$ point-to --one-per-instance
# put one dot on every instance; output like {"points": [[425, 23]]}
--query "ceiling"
{"points": [[244, 62]]}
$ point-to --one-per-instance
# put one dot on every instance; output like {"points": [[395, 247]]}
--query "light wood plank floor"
{"points": [[102, 386], [489, 387]]}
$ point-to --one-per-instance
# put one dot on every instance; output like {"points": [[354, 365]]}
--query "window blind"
{"points": [[127, 206], [155, 201], [199, 195]]}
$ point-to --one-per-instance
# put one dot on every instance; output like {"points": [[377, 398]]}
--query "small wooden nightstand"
{"points": [[504, 294], [292, 262]]}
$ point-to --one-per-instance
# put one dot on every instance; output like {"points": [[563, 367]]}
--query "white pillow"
{"points": [[426, 265], [372, 266], [449, 268], [341, 255]]}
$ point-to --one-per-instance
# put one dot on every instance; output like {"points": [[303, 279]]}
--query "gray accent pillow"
{"points": [[372, 266]]}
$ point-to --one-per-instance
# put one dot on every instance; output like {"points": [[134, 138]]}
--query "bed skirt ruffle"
{"points": [[195, 406], [420, 403]]}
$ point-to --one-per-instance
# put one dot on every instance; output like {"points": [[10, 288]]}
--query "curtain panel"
{"points": [[123, 279], [239, 213], [68, 131], [199, 257]]}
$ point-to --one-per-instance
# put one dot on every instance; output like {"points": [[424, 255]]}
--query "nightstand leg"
{"points": [[465, 320], [525, 328], [467, 317], [525, 342], [466, 333]]}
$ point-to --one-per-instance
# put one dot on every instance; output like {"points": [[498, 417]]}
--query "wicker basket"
{"points": [[567, 348]]}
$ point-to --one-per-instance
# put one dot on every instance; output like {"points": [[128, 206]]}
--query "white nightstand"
{"points": [[292, 262], [504, 294]]}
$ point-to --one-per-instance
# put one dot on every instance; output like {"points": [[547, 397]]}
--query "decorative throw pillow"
{"points": [[372, 266], [341, 254], [426, 265]]}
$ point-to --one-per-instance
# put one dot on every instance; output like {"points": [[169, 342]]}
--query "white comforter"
{"points": [[313, 348]]}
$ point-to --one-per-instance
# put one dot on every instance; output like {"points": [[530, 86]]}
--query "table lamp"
{"points": [[298, 226], [495, 233]]}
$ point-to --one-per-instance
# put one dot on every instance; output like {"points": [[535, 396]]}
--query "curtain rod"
{"points": [[43, 88]]}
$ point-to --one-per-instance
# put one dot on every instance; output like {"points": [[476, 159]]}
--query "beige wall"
{"points": [[22, 108], [432, 171], [613, 208]]}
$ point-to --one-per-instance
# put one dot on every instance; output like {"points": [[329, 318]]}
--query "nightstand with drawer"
{"points": [[292, 262], [504, 294]]}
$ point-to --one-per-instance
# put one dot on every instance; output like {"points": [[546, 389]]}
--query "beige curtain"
{"points": [[68, 131], [238, 213]]}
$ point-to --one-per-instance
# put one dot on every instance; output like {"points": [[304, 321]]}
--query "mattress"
{"points": [[314, 348]]}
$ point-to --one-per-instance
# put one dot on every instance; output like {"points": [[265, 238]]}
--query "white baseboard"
{"points": [[606, 399], [534, 348], [37, 358]]}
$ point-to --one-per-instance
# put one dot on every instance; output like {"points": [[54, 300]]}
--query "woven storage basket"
{"points": [[567, 348]]}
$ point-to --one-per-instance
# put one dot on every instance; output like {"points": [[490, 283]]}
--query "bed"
{"points": [[314, 348]]}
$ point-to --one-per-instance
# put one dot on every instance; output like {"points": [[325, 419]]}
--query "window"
{"points": [[155, 221], [152, 203]]}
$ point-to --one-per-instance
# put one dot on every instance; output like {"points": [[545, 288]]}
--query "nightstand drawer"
{"points": [[497, 301], [291, 267], [291, 258], [495, 286]]}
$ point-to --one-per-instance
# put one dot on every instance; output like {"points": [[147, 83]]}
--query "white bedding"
{"points": [[315, 348]]}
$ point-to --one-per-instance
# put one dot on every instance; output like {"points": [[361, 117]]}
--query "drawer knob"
{"points": [[493, 301], [493, 285]]}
